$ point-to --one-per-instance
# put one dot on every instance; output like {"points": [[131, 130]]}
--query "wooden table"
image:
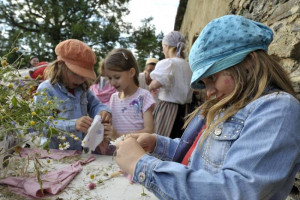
{"points": [[117, 188]]}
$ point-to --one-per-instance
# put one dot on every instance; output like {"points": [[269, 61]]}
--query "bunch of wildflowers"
{"points": [[20, 117]]}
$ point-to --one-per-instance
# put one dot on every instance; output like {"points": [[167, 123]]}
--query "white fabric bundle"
{"points": [[95, 134]]}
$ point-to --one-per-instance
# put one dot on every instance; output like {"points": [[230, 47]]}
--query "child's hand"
{"points": [[83, 123], [146, 140], [105, 117], [128, 154], [109, 132]]}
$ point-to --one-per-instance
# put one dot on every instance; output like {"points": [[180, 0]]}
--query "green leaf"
{"points": [[46, 145], [51, 132], [14, 101]]}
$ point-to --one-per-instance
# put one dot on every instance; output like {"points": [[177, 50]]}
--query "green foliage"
{"points": [[146, 43], [20, 117], [42, 24]]}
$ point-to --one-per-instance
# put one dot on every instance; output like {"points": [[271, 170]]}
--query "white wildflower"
{"points": [[115, 142], [64, 146], [67, 145]]}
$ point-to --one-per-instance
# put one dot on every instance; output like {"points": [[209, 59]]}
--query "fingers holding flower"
{"points": [[128, 153]]}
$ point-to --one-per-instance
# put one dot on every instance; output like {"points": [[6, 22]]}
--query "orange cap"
{"points": [[78, 57]]}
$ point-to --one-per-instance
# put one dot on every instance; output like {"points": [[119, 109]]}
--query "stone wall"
{"points": [[283, 16]]}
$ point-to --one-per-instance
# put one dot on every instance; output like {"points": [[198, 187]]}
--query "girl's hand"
{"points": [[105, 116], [128, 154], [109, 132], [83, 123], [146, 140]]}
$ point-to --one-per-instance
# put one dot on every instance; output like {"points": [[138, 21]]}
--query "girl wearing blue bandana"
{"points": [[243, 142]]}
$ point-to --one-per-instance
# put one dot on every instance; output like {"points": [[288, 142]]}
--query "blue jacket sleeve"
{"points": [[260, 164], [94, 105]]}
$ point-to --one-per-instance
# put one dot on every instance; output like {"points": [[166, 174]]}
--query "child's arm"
{"points": [[154, 85], [94, 105], [111, 134], [148, 121]]}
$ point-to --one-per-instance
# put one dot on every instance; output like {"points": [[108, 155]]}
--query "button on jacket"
{"points": [[72, 107], [255, 154]]}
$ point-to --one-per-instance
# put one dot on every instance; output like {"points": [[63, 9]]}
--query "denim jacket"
{"points": [[82, 103], [253, 155]]}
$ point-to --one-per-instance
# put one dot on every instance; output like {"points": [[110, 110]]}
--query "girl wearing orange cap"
{"points": [[68, 79]]}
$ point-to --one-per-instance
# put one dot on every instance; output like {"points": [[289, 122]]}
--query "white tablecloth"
{"points": [[117, 188]]}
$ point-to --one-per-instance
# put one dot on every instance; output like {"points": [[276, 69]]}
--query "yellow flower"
{"points": [[33, 113], [92, 176], [45, 171], [4, 62], [32, 123], [26, 77], [48, 161], [31, 86], [49, 102], [55, 123], [10, 85], [44, 94], [50, 117]]}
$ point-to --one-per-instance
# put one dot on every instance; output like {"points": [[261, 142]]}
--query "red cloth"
{"points": [[38, 72], [53, 182], [185, 160]]}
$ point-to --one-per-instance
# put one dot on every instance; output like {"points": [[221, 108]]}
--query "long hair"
{"points": [[122, 60], [100, 71], [262, 72], [174, 49], [55, 73]]}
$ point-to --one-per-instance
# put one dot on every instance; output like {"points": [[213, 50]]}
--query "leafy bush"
{"points": [[20, 118]]}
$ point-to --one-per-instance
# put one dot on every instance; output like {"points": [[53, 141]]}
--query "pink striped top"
{"points": [[127, 114]]}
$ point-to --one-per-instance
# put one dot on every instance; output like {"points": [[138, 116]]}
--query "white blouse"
{"points": [[174, 74]]}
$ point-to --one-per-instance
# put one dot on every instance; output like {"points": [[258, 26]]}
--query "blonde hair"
{"points": [[173, 51], [55, 73], [252, 77], [122, 60], [100, 71]]}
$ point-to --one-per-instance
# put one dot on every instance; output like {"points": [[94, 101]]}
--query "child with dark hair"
{"points": [[131, 106]]}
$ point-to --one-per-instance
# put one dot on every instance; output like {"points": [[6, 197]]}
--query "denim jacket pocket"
{"points": [[84, 105], [66, 109], [219, 141]]}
